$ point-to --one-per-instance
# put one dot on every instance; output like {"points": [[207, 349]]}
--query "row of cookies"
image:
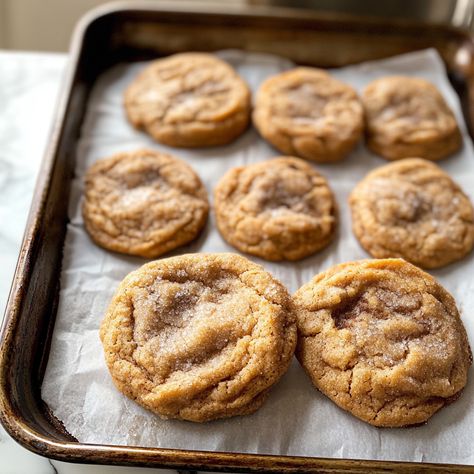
{"points": [[147, 203], [196, 100], [205, 336]]}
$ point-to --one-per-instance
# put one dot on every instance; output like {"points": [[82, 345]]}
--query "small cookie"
{"points": [[307, 113], [281, 209], [414, 210], [383, 340], [199, 337], [189, 100], [143, 203], [407, 116]]}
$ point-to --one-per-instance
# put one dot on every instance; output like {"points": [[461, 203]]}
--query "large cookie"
{"points": [[414, 210], [199, 337], [143, 203], [189, 100], [383, 340], [281, 209]]}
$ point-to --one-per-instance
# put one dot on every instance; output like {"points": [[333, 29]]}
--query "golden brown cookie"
{"points": [[189, 100], [307, 113], [199, 337], [414, 210], [407, 116], [281, 209], [383, 340], [143, 203]]}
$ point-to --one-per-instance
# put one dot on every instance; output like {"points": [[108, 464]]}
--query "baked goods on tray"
{"points": [[281, 209], [143, 203], [189, 100], [383, 340], [414, 210], [408, 116], [306, 112], [205, 336], [199, 336]]}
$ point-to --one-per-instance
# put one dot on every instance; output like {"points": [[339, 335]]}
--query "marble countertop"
{"points": [[29, 85]]}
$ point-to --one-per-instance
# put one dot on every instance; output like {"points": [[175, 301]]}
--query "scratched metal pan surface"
{"points": [[131, 31]]}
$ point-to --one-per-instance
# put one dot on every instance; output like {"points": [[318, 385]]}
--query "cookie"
{"points": [[280, 209], [383, 340], [407, 116], [414, 210], [189, 100], [307, 113], [199, 337], [143, 203]]}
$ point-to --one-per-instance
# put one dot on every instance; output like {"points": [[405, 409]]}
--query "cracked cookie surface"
{"points": [[189, 100], [199, 336], [383, 340], [407, 116], [143, 203], [307, 113], [414, 210], [281, 209]]}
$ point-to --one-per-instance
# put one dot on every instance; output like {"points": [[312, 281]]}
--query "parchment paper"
{"points": [[296, 419]]}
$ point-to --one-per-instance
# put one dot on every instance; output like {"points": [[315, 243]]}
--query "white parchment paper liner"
{"points": [[296, 419]]}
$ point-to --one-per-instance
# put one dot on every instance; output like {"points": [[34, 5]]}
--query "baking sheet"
{"points": [[296, 419]]}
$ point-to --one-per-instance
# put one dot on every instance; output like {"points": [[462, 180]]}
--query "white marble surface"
{"points": [[29, 84]]}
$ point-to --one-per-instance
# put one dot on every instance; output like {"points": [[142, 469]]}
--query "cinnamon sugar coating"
{"points": [[383, 340], [306, 112], [414, 210], [189, 100], [407, 116], [199, 336], [281, 209], [143, 203]]}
